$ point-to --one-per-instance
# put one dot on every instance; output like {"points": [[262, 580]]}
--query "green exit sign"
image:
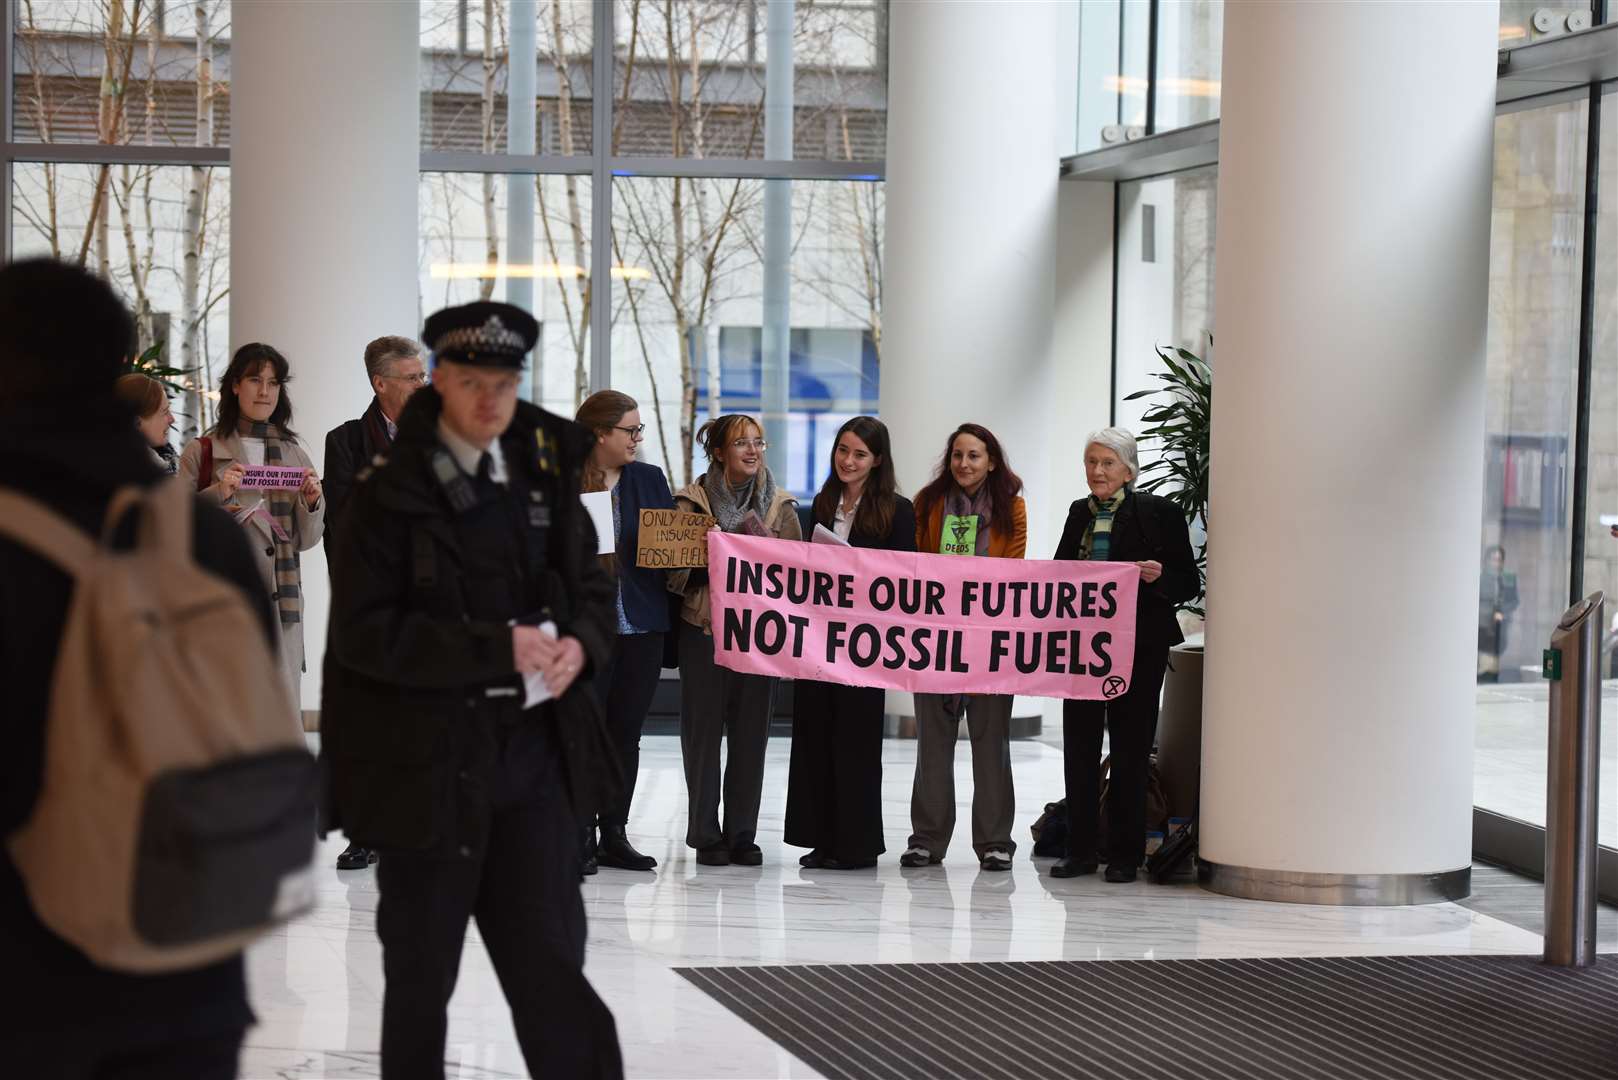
{"points": [[1553, 664]]}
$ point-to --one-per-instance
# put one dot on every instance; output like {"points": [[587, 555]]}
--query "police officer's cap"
{"points": [[482, 334]]}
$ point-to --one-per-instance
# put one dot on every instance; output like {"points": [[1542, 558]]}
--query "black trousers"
{"points": [[626, 686], [1130, 721], [834, 786], [720, 705], [521, 881]]}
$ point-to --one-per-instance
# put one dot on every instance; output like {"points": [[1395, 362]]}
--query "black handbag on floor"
{"points": [[1177, 852]]}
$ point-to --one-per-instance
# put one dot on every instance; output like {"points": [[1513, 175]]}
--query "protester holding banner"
{"points": [[716, 703], [251, 464], [628, 680], [1118, 524], [153, 417], [971, 507], [834, 788]]}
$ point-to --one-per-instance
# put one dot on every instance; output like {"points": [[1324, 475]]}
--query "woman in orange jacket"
{"points": [[972, 507]]}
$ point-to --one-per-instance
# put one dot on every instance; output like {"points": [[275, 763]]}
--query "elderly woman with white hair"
{"points": [[1119, 524]]}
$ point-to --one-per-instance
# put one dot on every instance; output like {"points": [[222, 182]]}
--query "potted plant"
{"points": [[1179, 423]]}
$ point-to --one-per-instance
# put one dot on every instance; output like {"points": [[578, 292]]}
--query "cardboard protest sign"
{"points": [[934, 623], [272, 478], [672, 539]]}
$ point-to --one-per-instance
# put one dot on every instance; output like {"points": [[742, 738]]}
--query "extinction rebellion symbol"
{"points": [[1112, 686]]}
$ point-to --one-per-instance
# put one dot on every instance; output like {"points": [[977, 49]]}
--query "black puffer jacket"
{"points": [[406, 727]]}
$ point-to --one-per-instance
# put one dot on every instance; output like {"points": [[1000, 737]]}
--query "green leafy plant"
{"points": [[151, 363], [1180, 420]]}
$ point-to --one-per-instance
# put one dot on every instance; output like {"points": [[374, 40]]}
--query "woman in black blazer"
{"points": [[627, 683], [1119, 524], [834, 788]]}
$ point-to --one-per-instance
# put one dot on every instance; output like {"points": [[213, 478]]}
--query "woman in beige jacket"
{"points": [[716, 703], [255, 415]]}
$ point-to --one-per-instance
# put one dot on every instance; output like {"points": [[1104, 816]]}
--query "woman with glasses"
{"points": [[629, 679], [715, 703], [972, 507], [834, 788]]}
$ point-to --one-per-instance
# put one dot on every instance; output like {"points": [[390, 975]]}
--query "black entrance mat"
{"points": [[1426, 1017]]}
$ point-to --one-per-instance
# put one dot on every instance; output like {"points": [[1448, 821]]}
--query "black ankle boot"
{"points": [[617, 851], [587, 851]]}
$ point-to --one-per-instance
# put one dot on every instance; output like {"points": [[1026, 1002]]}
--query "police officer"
{"points": [[466, 588]]}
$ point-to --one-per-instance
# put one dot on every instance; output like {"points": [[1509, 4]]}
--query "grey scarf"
{"points": [[730, 505]]}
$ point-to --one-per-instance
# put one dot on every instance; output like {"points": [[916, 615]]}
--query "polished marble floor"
{"points": [[317, 985]]}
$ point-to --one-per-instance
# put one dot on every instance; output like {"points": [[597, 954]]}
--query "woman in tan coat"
{"points": [[716, 703], [255, 415]]}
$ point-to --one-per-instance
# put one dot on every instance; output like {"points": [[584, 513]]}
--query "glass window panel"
{"points": [[1190, 35], [1518, 25], [1165, 278], [136, 236], [688, 313], [697, 78], [468, 222], [176, 92], [1112, 71], [466, 69], [1534, 272], [1600, 540]]}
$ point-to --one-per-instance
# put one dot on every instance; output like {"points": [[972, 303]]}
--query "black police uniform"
{"points": [[432, 760]]}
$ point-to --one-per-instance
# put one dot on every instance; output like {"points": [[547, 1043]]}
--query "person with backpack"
{"points": [[463, 740], [253, 429], [1119, 524], [397, 369], [71, 445], [972, 507]]}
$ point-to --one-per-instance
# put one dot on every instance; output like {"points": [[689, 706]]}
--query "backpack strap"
{"points": [[46, 533], [162, 517], [205, 467]]}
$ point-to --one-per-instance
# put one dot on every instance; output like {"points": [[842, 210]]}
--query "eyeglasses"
{"points": [[421, 378], [633, 432], [749, 444]]}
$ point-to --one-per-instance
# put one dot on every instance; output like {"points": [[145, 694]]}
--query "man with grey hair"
{"points": [[397, 368]]}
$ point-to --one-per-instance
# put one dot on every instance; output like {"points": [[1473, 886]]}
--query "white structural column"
{"points": [[325, 121], [969, 257], [1356, 157], [970, 253]]}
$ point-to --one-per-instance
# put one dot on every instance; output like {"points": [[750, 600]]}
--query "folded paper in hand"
{"points": [[535, 692], [823, 535]]}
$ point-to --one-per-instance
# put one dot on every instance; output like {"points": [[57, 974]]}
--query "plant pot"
{"points": [[1179, 731]]}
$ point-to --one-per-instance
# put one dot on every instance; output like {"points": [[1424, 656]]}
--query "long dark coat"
{"points": [[405, 721]]}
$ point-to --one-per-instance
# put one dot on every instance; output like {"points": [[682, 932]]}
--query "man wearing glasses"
{"points": [[397, 368]]}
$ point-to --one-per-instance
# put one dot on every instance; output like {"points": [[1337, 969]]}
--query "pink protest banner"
{"points": [[943, 624], [272, 478]]}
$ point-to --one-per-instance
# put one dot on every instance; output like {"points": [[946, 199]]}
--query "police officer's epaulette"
{"points": [[549, 455]]}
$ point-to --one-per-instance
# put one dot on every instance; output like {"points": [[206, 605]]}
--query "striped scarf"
{"points": [[288, 580], [1097, 546]]}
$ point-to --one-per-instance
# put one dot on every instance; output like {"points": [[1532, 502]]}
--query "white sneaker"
{"points": [[916, 856], [995, 859]]}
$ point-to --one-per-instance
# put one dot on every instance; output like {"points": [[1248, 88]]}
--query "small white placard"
{"points": [[599, 504]]}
